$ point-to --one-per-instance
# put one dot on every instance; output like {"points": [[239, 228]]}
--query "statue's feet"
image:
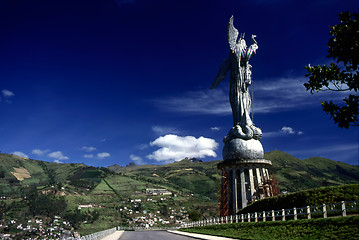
{"points": [[237, 132], [257, 132]]}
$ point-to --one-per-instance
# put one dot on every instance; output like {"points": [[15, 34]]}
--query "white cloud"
{"points": [[88, 155], [215, 128], [175, 148], [318, 151], [162, 130], [57, 161], [347, 152], [39, 152], [20, 154], [138, 160], [7, 93], [141, 146], [269, 95], [103, 155], [285, 130], [58, 155], [200, 102], [88, 149]]}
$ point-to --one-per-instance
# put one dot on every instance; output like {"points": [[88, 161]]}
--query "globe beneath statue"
{"points": [[239, 149]]}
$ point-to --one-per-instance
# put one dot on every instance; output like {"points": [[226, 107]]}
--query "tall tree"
{"points": [[342, 75]]}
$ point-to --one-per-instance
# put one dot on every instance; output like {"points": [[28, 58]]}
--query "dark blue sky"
{"points": [[115, 81]]}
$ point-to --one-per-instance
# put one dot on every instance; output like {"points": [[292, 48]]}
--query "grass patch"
{"points": [[329, 228], [311, 197]]}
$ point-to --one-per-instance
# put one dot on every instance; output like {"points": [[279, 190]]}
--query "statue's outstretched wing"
{"points": [[222, 73], [232, 35]]}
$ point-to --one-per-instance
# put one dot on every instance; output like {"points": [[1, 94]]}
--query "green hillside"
{"points": [[294, 174], [309, 197], [108, 197], [18, 173], [187, 176], [199, 178]]}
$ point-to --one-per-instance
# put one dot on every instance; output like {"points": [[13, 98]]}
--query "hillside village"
{"points": [[131, 209]]}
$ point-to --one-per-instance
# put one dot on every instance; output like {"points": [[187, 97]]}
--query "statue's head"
{"points": [[242, 43]]}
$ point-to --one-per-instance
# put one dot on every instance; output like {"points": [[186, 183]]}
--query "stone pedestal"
{"points": [[240, 149], [246, 171]]}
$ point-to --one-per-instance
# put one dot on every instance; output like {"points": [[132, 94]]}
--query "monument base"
{"points": [[243, 181], [245, 176], [239, 149]]}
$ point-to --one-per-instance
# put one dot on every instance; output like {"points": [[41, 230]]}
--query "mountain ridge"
{"points": [[293, 174]]}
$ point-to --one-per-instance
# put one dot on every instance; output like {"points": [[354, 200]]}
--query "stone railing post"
{"points": [[236, 218], [249, 217], [325, 214], [344, 211], [273, 216], [264, 216], [283, 215], [308, 213], [242, 217], [295, 213], [255, 217]]}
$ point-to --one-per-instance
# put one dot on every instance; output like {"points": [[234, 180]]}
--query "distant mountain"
{"points": [[188, 175]]}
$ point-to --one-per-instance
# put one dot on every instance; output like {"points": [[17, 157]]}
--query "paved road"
{"points": [[152, 235]]}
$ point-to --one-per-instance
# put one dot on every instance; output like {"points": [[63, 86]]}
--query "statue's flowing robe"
{"points": [[240, 80]]}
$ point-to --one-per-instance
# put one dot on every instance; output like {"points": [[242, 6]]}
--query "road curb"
{"points": [[199, 236], [114, 236]]}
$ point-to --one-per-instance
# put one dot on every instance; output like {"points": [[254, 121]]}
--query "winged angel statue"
{"points": [[240, 80]]}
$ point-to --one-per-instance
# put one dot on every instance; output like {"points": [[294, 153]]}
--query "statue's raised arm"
{"points": [[253, 48]]}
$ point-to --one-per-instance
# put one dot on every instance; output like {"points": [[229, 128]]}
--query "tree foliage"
{"points": [[194, 215], [342, 75], [46, 205], [76, 217]]}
